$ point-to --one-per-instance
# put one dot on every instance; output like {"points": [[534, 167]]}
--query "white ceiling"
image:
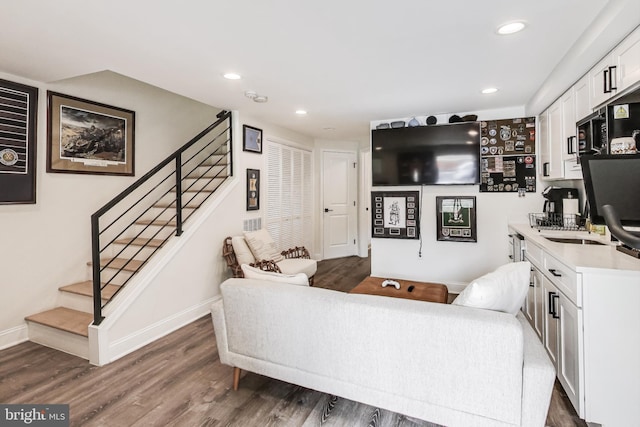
{"points": [[346, 62]]}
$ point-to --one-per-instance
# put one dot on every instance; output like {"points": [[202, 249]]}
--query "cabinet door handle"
{"points": [[570, 145], [550, 303], [554, 272], [606, 80], [611, 78], [545, 169], [555, 298]]}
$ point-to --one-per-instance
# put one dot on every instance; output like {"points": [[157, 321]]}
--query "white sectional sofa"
{"points": [[447, 364]]}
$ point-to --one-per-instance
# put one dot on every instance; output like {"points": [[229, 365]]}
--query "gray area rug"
{"points": [[333, 411]]}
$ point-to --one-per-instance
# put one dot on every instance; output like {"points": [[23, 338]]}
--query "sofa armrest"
{"points": [[297, 252], [538, 377], [220, 329]]}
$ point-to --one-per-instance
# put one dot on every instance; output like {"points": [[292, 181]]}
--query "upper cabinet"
{"points": [[616, 72], [627, 57], [581, 96]]}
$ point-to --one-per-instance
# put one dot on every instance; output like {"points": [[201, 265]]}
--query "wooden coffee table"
{"points": [[432, 292]]}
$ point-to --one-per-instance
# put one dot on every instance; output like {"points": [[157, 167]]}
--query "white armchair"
{"points": [[257, 249]]}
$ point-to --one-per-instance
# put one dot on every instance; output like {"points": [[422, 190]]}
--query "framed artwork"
{"points": [[89, 137], [251, 139], [253, 189], [395, 214], [456, 218], [18, 131]]}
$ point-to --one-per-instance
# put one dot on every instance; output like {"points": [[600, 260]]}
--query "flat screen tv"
{"points": [[613, 180], [426, 155]]}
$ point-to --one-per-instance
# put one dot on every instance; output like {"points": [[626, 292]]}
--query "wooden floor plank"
{"points": [[179, 380]]}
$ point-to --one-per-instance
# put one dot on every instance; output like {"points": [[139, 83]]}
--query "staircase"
{"points": [[130, 229]]}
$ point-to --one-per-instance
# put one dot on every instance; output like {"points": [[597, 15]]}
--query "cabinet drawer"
{"points": [[533, 254], [565, 279]]}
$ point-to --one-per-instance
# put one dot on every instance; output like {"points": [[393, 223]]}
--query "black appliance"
{"points": [[613, 180], [592, 134], [426, 155], [560, 201]]}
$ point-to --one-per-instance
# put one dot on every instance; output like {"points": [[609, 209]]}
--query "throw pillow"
{"points": [[242, 251], [501, 290], [256, 273], [262, 245]]}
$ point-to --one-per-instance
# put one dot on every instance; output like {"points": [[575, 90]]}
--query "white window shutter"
{"points": [[289, 196]]}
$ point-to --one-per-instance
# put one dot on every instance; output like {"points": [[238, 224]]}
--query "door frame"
{"points": [[356, 196]]}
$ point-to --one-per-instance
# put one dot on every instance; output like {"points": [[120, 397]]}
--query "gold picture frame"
{"points": [[89, 137]]}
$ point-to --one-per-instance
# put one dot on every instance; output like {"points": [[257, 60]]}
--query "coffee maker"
{"points": [[562, 203]]}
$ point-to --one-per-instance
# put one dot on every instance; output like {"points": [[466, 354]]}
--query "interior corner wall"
{"points": [[47, 245], [455, 263]]}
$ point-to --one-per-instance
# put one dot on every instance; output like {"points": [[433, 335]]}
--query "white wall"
{"points": [[456, 263], [46, 245]]}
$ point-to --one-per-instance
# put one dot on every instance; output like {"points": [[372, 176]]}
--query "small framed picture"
{"points": [[251, 139], [253, 189], [456, 219]]}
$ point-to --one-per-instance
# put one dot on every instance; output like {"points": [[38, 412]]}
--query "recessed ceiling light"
{"points": [[510, 28], [301, 112], [232, 76], [489, 90]]}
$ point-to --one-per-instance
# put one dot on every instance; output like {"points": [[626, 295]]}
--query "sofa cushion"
{"points": [[242, 251], [262, 245], [501, 290], [298, 265], [256, 273]]}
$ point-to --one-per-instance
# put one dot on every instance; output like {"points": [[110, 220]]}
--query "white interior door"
{"points": [[339, 189]]}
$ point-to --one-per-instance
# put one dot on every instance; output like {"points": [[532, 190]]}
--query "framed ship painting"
{"points": [[89, 137]]}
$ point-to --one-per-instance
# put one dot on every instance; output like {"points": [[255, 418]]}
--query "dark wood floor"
{"points": [[179, 381]]}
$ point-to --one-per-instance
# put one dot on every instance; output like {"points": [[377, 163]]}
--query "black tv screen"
{"points": [[613, 180], [426, 155]]}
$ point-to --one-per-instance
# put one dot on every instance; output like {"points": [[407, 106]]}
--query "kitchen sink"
{"points": [[573, 241]]}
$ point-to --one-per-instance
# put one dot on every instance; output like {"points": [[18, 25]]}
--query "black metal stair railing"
{"points": [[137, 222]]}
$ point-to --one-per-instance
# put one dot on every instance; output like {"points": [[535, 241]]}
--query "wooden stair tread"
{"points": [[166, 205], [140, 241], [132, 265], [65, 319], [86, 289]]}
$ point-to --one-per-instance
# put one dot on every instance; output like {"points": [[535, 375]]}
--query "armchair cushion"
{"points": [[298, 265], [242, 251], [256, 273], [262, 245]]}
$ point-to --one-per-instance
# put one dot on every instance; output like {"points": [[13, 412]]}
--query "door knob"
{"points": [[328, 210]]}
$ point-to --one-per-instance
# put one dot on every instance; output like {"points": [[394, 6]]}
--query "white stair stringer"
{"points": [[175, 287]]}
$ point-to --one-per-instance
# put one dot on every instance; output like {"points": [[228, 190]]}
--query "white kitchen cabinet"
{"points": [[617, 71], [568, 107], [550, 137], [587, 307], [581, 96], [551, 324], [543, 143], [570, 351], [538, 324], [603, 81], [529, 307], [627, 60]]}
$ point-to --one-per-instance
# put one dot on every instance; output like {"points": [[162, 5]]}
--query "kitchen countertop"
{"points": [[580, 257]]}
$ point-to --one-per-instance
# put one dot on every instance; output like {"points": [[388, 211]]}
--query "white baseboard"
{"points": [[121, 347], [13, 336], [67, 342]]}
